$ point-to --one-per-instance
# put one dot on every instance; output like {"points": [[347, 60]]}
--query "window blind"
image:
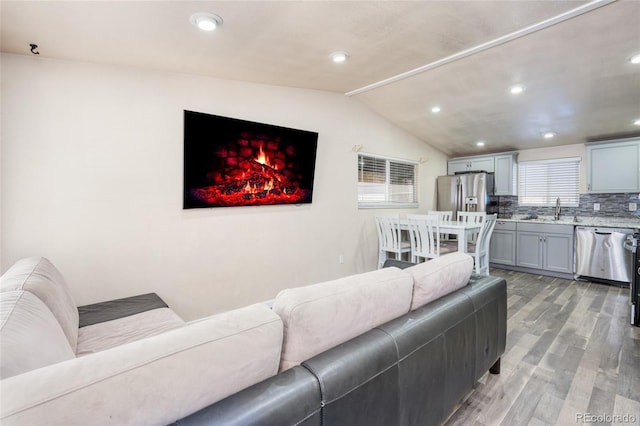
{"points": [[542, 182], [386, 182]]}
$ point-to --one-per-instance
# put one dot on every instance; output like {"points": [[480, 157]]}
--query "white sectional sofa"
{"points": [[134, 361]]}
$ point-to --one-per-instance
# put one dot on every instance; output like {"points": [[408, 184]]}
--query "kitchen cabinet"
{"points": [[504, 167], [471, 164], [614, 166], [545, 247], [505, 174], [502, 249]]}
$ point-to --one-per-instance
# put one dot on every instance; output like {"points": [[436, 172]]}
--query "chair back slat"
{"points": [[424, 235], [481, 255], [472, 217], [389, 237], [388, 231], [444, 216]]}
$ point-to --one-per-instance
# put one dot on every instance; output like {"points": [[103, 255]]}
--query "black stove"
{"points": [[632, 244]]}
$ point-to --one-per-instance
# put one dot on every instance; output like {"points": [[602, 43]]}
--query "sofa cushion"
{"points": [[37, 275], [320, 316], [438, 277], [30, 337], [109, 334]]}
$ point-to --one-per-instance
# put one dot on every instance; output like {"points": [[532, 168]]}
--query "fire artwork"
{"points": [[230, 162]]}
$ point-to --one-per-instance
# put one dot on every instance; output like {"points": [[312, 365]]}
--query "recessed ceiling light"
{"points": [[435, 109], [636, 122], [206, 21], [480, 143], [548, 135], [517, 89], [339, 57], [635, 59]]}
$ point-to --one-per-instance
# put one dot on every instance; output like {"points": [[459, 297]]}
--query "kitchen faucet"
{"points": [[556, 215]]}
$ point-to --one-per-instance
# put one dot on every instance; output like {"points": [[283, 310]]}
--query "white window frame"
{"points": [[380, 195], [538, 187]]}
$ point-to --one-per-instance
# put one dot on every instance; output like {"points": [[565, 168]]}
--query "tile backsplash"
{"points": [[611, 205]]}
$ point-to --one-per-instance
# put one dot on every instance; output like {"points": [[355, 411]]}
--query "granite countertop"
{"points": [[610, 222]]}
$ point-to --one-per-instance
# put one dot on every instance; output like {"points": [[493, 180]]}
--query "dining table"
{"points": [[462, 230]]}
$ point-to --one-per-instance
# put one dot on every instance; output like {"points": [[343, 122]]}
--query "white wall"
{"points": [[92, 179]]}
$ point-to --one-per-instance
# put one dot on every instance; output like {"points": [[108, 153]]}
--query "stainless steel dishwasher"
{"points": [[600, 254]]}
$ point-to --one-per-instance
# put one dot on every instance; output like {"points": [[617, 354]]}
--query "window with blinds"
{"points": [[386, 182], [542, 182]]}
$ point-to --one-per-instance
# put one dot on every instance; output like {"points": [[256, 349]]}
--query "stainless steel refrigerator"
{"points": [[464, 192]]}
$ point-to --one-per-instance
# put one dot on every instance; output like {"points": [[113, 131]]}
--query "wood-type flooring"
{"points": [[572, 357]]}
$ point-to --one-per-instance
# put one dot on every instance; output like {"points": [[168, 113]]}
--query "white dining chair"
{"points": [[443, 216], [480, 250], [390, 238], [471, 217], [424, 236]]}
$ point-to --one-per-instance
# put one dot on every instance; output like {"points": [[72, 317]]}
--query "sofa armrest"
{"points": [[151, 381]]}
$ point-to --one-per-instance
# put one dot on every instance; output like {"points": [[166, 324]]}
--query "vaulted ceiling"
{"points": [[572, 57]]}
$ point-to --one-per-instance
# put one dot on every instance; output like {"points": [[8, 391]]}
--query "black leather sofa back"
{"points": [[289, 398], [410, 371], [359, 381]]}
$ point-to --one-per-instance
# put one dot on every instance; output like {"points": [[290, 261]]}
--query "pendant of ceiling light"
{"points": [[206, 21]]}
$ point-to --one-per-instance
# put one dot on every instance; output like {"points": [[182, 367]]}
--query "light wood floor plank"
{"points": [[626, 408], [570, 351]]}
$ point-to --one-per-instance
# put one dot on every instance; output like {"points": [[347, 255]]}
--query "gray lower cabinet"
{"points": [[545, 247], [535, 247], [529, 249], [503, 243]]}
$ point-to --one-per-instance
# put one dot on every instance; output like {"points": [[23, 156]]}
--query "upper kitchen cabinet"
{"points": [[503, 165], [505, 174], [471, 164], [614, 166]]}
